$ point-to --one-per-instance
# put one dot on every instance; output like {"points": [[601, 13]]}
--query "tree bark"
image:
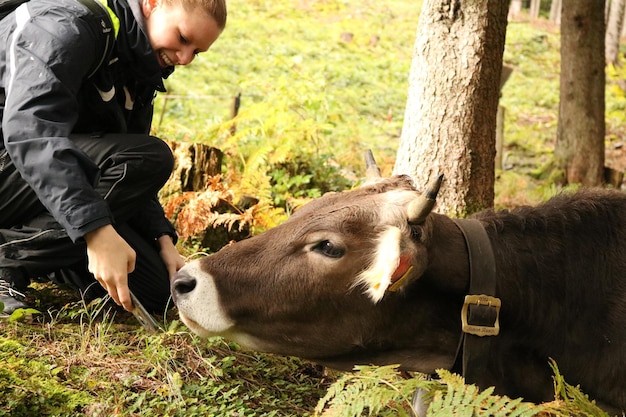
{"points": [[579, 150], [454, 85], [614, 31], [195, 163]]}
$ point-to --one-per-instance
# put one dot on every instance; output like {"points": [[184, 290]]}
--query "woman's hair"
{"points": [[214, 8]]}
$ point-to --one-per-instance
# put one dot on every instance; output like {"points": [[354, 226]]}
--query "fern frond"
{"points": [[266, 217], [258, 160], [461, 400], [369, 391], [195, 212], [570, 400]]}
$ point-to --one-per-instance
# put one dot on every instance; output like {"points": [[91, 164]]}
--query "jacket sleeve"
{"points": [[48, 56], [151, 221]]}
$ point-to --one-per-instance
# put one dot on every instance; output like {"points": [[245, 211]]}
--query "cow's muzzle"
{"points": [[195, 294], [182, 284]]}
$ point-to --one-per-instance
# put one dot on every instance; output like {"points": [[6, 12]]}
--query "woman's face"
{"points": [[178, 35]]}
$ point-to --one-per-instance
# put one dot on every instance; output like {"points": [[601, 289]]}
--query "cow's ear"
{"points": [[389, 269], [417, 232]]}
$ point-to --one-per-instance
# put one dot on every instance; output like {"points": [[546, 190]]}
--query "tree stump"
{"points": [[189, 184], [194, 164]]}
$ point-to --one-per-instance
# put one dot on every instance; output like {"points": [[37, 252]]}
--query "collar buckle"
{"points": [[482, 304]]}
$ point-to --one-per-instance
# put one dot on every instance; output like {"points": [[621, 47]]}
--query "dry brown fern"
{"points": [[196, 212]]}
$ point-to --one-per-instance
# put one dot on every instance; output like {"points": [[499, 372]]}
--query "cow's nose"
{"points": [[182, 284]]}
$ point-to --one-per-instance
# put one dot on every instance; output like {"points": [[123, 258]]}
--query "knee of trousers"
{"points": [[143, 168], [159, 161], [146, 166]]}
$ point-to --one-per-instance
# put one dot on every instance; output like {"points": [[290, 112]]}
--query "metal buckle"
{"points": [[481, 300]]}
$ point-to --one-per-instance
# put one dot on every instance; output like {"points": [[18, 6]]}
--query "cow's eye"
{"points": [[326, 247]]}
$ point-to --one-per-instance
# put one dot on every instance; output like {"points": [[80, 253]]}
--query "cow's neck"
{"points": [[468, 269], [448, 262], [481, 310]]}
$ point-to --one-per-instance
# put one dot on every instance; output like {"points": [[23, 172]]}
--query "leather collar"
{"points": [[481, 309]]}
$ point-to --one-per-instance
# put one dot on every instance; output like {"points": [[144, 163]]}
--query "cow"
{"points": [[375, 276]]}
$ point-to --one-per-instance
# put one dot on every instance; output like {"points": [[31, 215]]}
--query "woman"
{"points": [[79, 173]]}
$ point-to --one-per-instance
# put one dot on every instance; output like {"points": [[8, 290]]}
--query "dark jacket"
{"points": [[45, 62]]}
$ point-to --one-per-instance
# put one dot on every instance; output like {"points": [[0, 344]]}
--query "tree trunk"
{"points": [[195, 163], [515, 8], [555, 11], [614, 31], [579, 150], [450, 119], [623, 34], [535, 7]]}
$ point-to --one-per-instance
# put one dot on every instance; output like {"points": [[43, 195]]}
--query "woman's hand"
{"points": [[111, 259], [169, 254]]}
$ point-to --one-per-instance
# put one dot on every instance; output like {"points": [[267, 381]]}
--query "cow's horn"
{"points": [[372, 171], [419, 208]]}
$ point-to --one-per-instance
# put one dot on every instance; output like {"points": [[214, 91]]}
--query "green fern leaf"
{"points": [[370, 391], [570, 400], [460, 400]]}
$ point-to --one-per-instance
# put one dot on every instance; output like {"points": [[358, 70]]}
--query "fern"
{"points": [[371, 390], [382, 391], [196, 211], [454, 398], [570, 400]]}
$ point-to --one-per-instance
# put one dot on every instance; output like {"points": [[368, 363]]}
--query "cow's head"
{"points": [[330, 284]]}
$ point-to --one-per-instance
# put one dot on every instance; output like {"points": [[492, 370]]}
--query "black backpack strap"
{"points": [[103, 20]]}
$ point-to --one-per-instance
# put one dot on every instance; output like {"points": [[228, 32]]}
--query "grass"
{"points": [[94, 360], [303, 87], [309, 92]]}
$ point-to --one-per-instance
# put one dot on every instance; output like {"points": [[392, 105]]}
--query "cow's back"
{"points": [[561, 270]]}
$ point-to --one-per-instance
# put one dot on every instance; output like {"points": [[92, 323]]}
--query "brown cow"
{"points": [[318, 287]]}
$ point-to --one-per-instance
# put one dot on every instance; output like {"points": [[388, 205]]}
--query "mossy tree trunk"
{"points": [[454, 86]]}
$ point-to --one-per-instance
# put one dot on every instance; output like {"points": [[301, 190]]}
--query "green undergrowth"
{"points": [[95, 360], [319, 82], [383, 391]]}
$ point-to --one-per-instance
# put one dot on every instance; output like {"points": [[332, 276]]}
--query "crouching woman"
{"points": [[79, 172]]}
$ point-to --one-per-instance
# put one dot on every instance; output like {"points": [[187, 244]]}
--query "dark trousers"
{"points": [[133, 169]]}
